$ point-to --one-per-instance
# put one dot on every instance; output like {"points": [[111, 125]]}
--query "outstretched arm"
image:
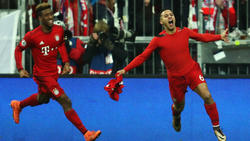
{"points": [[137, 61], [207, 37]]}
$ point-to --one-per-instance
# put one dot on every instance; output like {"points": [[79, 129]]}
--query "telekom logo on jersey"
{"points": [[45, 50]]}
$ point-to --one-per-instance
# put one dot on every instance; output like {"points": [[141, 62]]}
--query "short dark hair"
{"points": [[42, 6]]}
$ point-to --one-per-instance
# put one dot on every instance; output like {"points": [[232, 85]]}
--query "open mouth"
{"points": [[171, 22]]}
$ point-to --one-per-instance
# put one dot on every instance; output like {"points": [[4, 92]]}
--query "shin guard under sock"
{"points": [[73, 117], [30, 101]]}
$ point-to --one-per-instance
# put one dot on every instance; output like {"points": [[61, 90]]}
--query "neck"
{"points": [[170, 31], [46, 29]]}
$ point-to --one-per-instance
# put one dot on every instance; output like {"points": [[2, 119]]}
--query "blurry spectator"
{"points": [[105, 10], [120, 6], [75, 48], [58, 19], [56, 6], [72, 12], [98, 53], [93, 1], [215, 15]]}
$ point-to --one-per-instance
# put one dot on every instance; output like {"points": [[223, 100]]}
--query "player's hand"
{"points": [[66, 68], [24, 73], [120, 72], [224, 36]]}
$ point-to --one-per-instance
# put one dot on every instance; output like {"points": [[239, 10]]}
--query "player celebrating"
{"points": [[172, 44], [45, 41]]}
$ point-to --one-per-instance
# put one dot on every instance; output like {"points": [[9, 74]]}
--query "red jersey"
{"points": [[44, 47], [173, 50]]}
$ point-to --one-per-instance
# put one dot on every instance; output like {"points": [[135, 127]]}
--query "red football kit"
{"points": [[173, 49], [44, 47]]}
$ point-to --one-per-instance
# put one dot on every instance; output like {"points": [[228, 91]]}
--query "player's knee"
{"points": [[46, 101], [66, 101], [179, 107], [43, 99]]}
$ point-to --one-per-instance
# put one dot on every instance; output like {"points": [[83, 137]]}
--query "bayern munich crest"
{"points": [[57, 38], [55, 91]]}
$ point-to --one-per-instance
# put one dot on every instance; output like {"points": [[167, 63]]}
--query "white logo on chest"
{"points": [[41, 43], [57, 38], [45, 50]]}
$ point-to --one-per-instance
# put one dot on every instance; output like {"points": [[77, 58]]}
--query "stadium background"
{"points": [[143, 112]]}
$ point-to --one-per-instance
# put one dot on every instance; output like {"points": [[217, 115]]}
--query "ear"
{"points": [[161, 21], [39, 18]]}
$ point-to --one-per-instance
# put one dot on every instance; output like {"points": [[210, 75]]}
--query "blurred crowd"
{"points": [[101, 21], [108, 25]]}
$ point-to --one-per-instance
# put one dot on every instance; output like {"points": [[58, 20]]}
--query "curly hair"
{"points": [[42, 6]]}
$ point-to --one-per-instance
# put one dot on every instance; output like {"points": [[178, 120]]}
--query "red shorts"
{"points": [[178, 84], [49, 85]]}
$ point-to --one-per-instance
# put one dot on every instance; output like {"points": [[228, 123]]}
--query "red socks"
{"points": [[73, 117], [212, 113], [30, 101]]}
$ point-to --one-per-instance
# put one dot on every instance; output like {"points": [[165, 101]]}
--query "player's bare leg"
{"points": [[72, 116], [211, 109], [177, 108]]}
